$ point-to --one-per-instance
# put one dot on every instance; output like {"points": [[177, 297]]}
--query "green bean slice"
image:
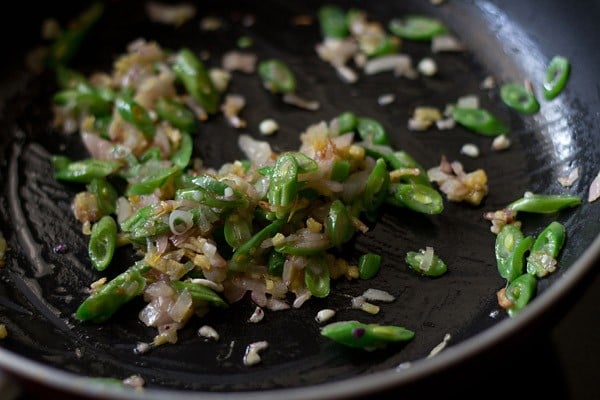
{"points": [[371, 130], [200, 294], [150, 183], [516, 96], [194, 76], [340, 170], [136, 115], [237, 230], [316, 276], [339, 225], [545, 250], [181, 158], [420, 198], [332, 20], [506, 242], [284, 184], [106, 195], [369, 265], [514, 266], [244, 254], [415, 260], [520, 292], [366, 336], [347, 122], [102, 243], [480, 121], [85, 171], [401, 160], [544, 203], [376, 189], [176, 114], [101, 305], [557, 75], [277, 76], [417, 27]]}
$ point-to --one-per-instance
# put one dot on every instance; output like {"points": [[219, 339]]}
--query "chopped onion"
{"points": [[295, 100], [396, 62], [378, 295], [238, 61], [446, 43], [251, 356], [170, 14], [427, 259], [208, 332], [257, 151], [568, 180]]}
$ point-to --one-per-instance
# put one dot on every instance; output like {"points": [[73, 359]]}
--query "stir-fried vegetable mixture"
{"points": [[272, 223]]}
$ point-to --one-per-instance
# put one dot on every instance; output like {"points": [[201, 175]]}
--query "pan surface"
{"points": [[40, 289]]}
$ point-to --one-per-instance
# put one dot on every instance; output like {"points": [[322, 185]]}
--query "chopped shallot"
{"points": [[208, 332], [251, 357], [446, 42], [172, 14], [568, 180]]}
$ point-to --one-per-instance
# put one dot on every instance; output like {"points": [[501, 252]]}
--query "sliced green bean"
{"points": [[150, 183], [181, 158], [347, 122], [480, 121], [420, 198], [136, 115], [102, 304], [106, 195], [244, 254], [402, 160], [60, 162], [371, 130], [316, 276], [544, 203], [152, 153], [84, 99], [515, 263], [276, 262], [176, 114], [332, 20], [237, 230], [102, 243], [340, 170], [85, 170], [200, 293], [304, 243], [417, 262], [211, 199], [276, 76], [376, 189], [369, 265], [417, 27], [192, 73], [68, 78], [557, 75], [545, 249], [144, 223], [102, 125], [506, 242], [518, 97], [305, 163], [520, 292], [339, 225], [366, 336], [284, 184]]}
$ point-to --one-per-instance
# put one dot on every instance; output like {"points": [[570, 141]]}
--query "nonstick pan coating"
{"points": [[40, 289]]}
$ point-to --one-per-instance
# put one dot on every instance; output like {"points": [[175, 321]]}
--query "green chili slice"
{"points": [[176, 114], [506, 242], [518, 97], [106, 195], [136, 115], [376, 189], [192, 73], [85, 171], [339, 224], [556, 78]]}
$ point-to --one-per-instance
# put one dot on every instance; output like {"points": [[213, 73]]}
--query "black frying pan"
{"points": [[39, 289]]}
